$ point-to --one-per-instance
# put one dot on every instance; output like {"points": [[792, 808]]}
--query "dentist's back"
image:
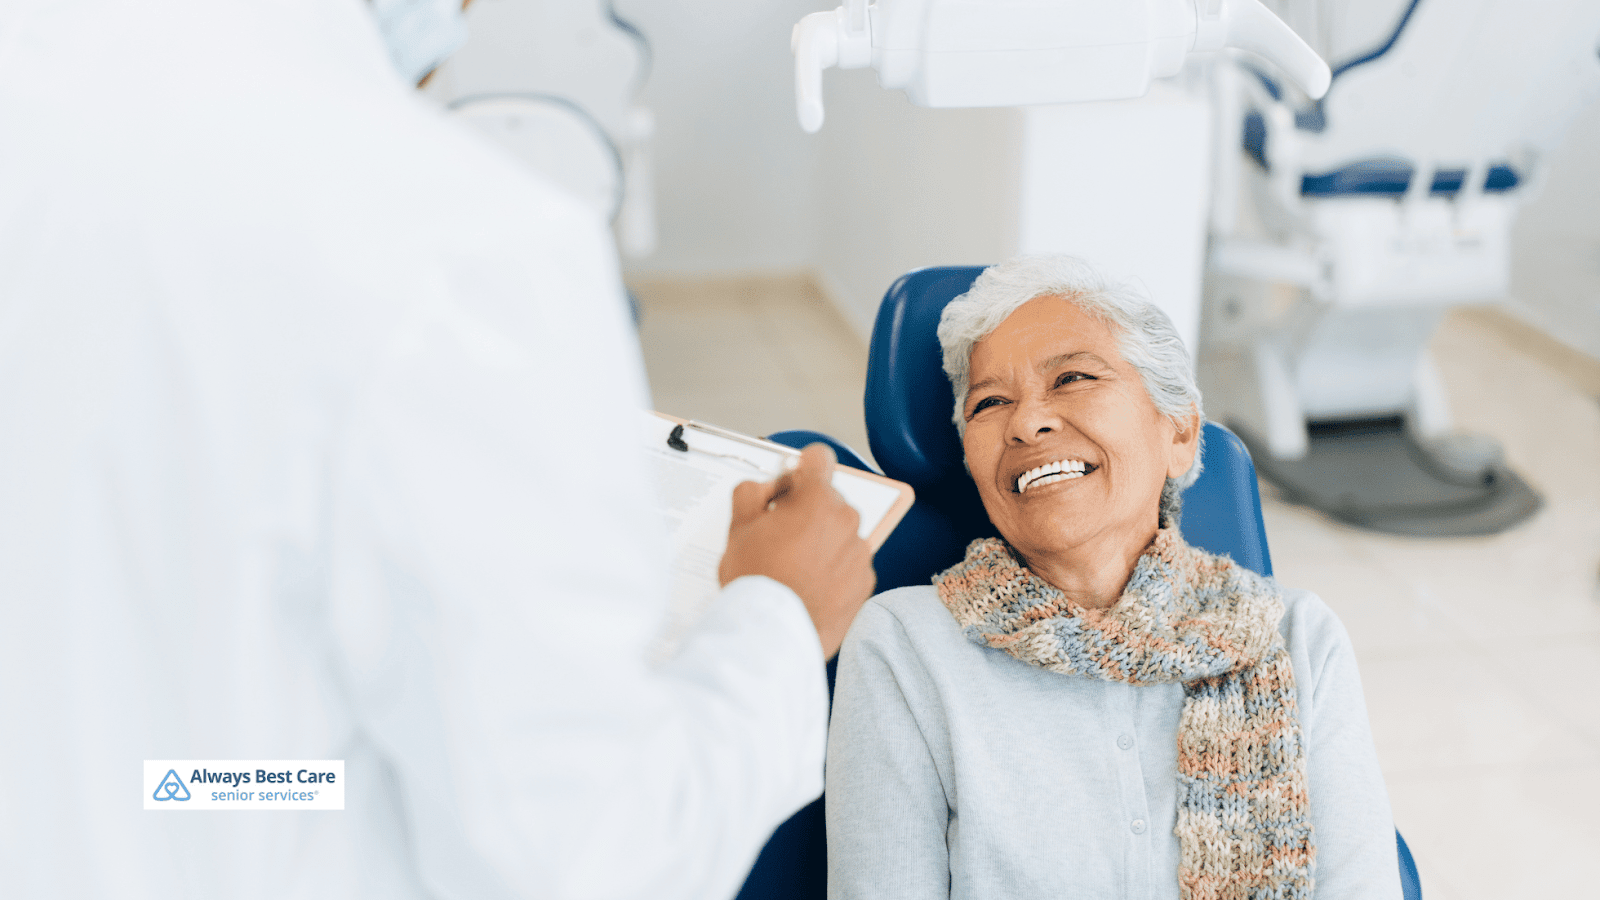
{"points": [[315, 443]]}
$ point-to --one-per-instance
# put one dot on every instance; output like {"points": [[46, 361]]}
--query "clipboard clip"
{"points": [[676, 441]]}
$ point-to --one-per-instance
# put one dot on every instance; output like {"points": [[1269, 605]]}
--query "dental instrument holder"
{"points": [[950, 53]]}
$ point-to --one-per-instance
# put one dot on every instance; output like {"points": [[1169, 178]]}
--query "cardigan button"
{"points": [[1125, 742], [1138, 826]]}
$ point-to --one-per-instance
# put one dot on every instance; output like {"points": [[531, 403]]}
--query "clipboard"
{"points": [[696, 466], [881, 501]]}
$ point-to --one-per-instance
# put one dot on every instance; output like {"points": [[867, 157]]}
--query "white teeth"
{"points": [[1050, 473], [1052, 479]]}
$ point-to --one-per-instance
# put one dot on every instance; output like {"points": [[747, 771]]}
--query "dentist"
{"points": [[316, 441]]}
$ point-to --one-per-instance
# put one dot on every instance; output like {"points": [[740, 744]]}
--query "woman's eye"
{"points": [[985, 403], [1070, 377]]}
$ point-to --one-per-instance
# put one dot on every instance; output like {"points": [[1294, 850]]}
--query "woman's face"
{"points": [[1065, 446]]}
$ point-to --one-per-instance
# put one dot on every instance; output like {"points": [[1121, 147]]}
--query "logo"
{"points": [[171, 788], [196, 785]]}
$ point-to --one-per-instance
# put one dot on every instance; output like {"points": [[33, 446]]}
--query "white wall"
{"points": [[1555, 245], [902, 187], [735, 176], [567, 48], [1123, 185]]}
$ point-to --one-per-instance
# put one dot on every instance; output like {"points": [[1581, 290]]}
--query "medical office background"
{"points": [[757, 255]]}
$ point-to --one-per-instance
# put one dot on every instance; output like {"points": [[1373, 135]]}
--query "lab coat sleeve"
{"points": [[887, 810], [498, 580], [1354, 827]]}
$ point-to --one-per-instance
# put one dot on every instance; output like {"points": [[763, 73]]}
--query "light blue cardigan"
{"points": [[955, 770]]}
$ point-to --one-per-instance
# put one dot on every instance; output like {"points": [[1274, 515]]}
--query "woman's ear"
{"points": [[1185, 442]]}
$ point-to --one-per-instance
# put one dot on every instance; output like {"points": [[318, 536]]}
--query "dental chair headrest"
{"points": [[909, 400]]}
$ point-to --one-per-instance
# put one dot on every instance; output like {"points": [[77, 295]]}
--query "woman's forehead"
{"points": [[1045, 331]]}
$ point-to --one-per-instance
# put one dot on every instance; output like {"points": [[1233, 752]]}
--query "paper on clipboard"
{"points": [[695, 499]]}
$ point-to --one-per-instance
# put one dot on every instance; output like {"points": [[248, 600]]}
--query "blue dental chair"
{"points": [[908, 406]]}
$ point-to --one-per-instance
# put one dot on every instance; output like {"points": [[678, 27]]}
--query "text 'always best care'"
{"points": [[262, 776], [187, 785]]}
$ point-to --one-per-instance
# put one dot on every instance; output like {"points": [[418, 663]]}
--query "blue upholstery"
{"points": [[1255, 138], [908, 406], [1391, 177], [1410, 884], [1381, 177], [800, 439], [1222, 509], [794, 863]]}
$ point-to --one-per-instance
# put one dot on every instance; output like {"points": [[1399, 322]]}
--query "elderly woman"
{"points": [[1090, 707]]}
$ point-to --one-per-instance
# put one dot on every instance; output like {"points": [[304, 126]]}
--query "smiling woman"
{"points": [[1051, 392], [1089, 706]]}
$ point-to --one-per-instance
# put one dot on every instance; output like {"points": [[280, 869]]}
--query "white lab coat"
{"points": [[317, 441]]}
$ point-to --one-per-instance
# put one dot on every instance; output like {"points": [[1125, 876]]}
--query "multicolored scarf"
{"points": [[1244, 823]]}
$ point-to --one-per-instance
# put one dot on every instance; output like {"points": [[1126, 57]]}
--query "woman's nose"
{"points": [[1033, 420]]}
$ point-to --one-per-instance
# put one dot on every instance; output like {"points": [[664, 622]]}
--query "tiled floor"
{"points": [[1480, 657]]}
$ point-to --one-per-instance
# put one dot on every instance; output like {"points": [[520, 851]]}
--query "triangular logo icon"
{"points": [[171, 787]]}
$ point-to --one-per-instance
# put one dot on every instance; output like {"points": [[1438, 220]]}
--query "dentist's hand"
{"points": [[797, 530]]}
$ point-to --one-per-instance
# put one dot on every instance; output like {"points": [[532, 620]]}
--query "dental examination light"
{"points": [[953, 53]]}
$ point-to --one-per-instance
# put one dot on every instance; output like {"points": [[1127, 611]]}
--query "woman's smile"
{"points": [[1060, 471]]}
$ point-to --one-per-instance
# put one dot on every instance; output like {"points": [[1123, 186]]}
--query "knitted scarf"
{"points": [[1244, 825]]}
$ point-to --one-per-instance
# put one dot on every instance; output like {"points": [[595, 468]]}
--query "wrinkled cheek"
{"points": [[997, 506], [1139, 494], [981, 465]]}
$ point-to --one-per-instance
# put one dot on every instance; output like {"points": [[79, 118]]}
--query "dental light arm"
{"points": [[1247, 25], [947, 53]]}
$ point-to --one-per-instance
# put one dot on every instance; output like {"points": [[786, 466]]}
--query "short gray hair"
{"points": [[1147, 338]]}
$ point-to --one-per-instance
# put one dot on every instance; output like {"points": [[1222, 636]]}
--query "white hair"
{"points": [[1147, 338]]}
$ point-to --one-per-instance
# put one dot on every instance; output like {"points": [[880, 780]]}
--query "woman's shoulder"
{"points": [[911, 620], [1311, 628], [1305, 611], [916, 609], [913, 600]]}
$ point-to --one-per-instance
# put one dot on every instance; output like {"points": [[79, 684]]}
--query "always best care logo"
{"points": [[279, 784]]}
